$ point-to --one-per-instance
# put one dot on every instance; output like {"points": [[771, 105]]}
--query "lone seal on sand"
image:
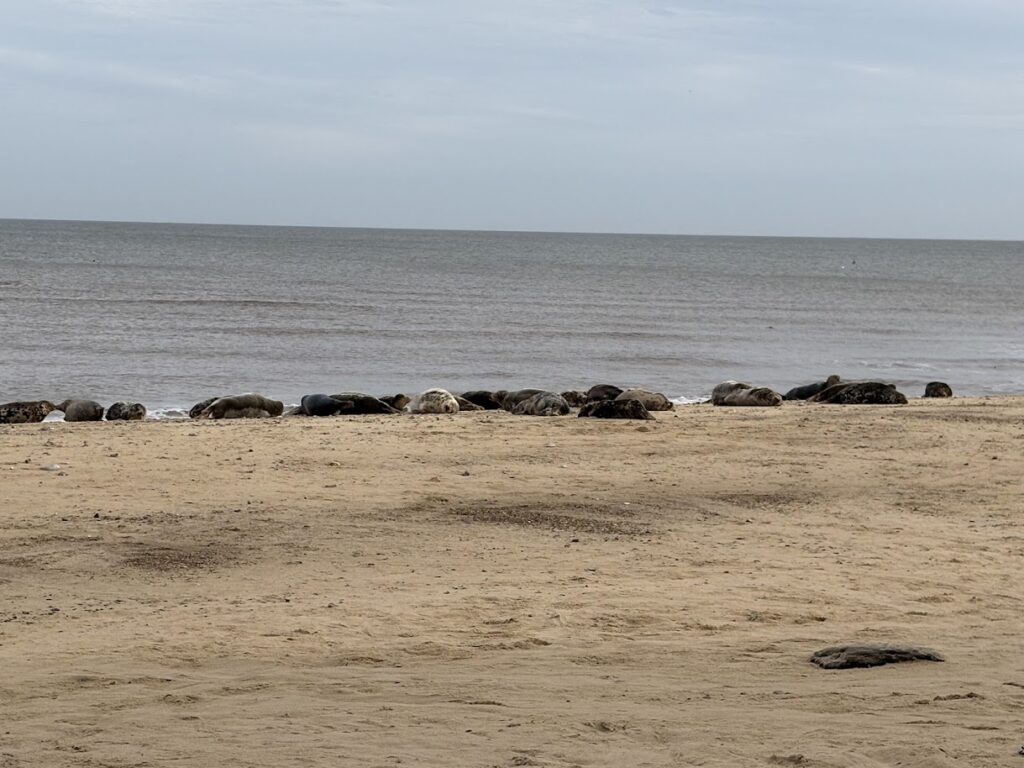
{"points": [[542, 404], [25, 411], [248, 406], [81, 410], [861, 393], [938, 389], [433, 401], [809, 390], [737, 393], [653, 401], [615, 409], [121, 411]]}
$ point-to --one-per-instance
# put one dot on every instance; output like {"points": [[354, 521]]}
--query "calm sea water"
{"points": [[169, 314]]}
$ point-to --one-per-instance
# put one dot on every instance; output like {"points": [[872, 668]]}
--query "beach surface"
{"points": [[491, 590]]}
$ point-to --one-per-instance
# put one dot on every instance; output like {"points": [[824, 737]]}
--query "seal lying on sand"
{"points": [[861, 393], [483, 398], [737, 393], [248, 406], [809, 390], [81, 410], [25, 411], [652, 401], [542, 404], [196, 410], [575, 398], [321, 405], [398, 402], [603, 392], [615, 409], [510, 400], [938, 389], [121, 411], [360, 404], [433, 401], [467, 405]]}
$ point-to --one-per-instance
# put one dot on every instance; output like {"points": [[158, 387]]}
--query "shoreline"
{"points": [[486, 589]]}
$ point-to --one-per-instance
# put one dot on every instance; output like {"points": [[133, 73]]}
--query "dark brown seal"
{"points": [[358, 404], [861, 393], [509, 400], [575, 398], [398, 402], [615, 409], [196, 410], [603, 392], [25, 411], [81, 410], [938, 389], [810, 390], [483, 398]]}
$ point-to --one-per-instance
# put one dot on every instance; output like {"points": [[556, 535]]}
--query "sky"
{"points": [[889, 118]]}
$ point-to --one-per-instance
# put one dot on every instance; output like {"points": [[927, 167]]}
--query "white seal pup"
{"points": [[433, 401]]}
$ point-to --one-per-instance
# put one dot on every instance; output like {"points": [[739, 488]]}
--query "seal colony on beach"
{"points": [[597, 402]]}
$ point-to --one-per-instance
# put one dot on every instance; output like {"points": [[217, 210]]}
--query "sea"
{"points": [[170, 314]]}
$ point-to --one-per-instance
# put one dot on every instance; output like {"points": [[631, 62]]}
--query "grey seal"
{"points": [[652, 401], [809, 390], [25, 411], [603, 392], [433, 401], [247, 406], [861, 393], [542, 404], [81, 410], [858, 656], [359, 404], [615, 409], [467, 405], [483, 398], [938, 389], [398, 402], [196, 410], [737, 393], [575, 398], [122, 411], [510, 400]]}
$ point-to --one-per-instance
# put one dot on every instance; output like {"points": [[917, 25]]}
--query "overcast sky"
{"points": [[791, 117]]}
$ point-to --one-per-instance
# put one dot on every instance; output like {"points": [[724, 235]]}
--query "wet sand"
{"points": [[491, 590]]}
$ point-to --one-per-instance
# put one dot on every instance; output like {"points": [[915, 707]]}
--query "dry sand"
{"points": [[491, 590]]}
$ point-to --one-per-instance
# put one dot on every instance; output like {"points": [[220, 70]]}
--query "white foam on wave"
{"points": [[687, 400]]}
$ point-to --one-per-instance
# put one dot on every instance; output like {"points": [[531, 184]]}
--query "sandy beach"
{"points": [[490, 590]]}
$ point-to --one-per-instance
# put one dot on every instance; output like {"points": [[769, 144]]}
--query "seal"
{"points": [[433, 401], [938, 389], [358, 404], [467, 405], [510, 400], [196, 410], [483, 398], [615, 409], [81, 410], [737, 393], [121, 411], [25, 411], [321, 405], [810, 390], [603, 392], [861, 393], [652, 401], [542, 404], [398, 402], [575, 398], [247, 406]]}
